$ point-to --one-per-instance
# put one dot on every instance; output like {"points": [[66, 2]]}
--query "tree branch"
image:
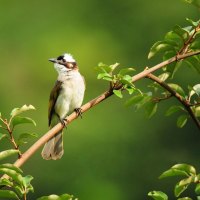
{"points": [[184, 102], [25, 156]]}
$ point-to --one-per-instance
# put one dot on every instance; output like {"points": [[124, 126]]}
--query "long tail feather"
{"points": [[53, 149]]}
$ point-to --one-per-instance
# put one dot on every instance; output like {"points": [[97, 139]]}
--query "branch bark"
{"points": [[26, 155], [184, 102]]}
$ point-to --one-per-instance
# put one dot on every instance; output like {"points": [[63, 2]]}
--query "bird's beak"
{"points": [[53, 60]]}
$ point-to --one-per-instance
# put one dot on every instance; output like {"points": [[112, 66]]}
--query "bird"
{"points": [[66, 96]]}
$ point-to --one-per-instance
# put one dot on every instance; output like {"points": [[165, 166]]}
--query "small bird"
{"points": [[66, 97]]}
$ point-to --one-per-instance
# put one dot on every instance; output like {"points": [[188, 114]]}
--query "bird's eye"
{"points": [[60, 57]]}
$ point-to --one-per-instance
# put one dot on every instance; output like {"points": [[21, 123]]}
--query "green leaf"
{"points": [[5, 182], [151, 108], [193, 23], [177, 88], [189, 169], [11, 166], [7, 153], [181, 121], [196, 111], [194, 2], [19, 190], [196, 89], [181, 32], [13, 174], [7, 194], [126, 71], [173, 172], [130, 90], [56, 197], [3, 136], [184, 198], [179, 170], [134, 100], [173, 109], [17, 111], [197, 189], [27, 183], [22, 120], [158, 195], [103, 75], [164, 76], [25, 137], [179, 189], [118, 93], [175, 40], [114, 66], [159, 47], [194, 63]]}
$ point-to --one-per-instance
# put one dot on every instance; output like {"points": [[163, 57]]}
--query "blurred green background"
{"points": [[113, 152]]}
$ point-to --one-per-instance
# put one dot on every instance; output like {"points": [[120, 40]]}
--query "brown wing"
{"points": [[52, 100]]}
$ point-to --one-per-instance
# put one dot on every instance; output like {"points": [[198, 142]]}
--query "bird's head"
{"points": [[64, 63]]}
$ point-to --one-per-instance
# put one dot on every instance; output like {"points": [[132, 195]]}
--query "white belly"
{"points": [[71, 96]]}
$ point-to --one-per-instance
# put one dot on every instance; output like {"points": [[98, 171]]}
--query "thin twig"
{"points": [[26, 155], [184, 102]]}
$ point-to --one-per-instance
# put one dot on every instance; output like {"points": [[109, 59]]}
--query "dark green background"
{"points": [[113, 153]]}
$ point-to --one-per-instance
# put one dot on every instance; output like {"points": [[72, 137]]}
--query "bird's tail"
{"points": [[53, 149]]}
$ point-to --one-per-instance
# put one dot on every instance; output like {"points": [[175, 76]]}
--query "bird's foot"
{"points": [[64, 122], [78, 112]]}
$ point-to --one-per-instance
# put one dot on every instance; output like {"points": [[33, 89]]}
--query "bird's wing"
{"points": [[52, 100]]}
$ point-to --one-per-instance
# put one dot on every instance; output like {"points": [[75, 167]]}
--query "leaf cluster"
{"points": [[176, 42], [122, 80], [188, 176]]}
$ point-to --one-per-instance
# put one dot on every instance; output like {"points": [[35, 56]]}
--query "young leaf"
{"points": [[189, 169], [22, 120], [56, 197], [173, 109], [184, 198], [118, 93], [3, 136], [24, 137], [181, 32], [181, 121], [177, 88], [193, 23], [11, 166], [158, 195], [151, 108], [13, 174], [197, 189], [134, 100], [196, 111], [27, 183], [126, 71], [164, 76], [17, 111], [193, 62], [173, 172], [102, 75], [7, 194], [196, 89], [159, 47], [7, 153], [179, 189], [5, 182]]}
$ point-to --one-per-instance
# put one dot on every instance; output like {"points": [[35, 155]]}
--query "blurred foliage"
{"points": [[110, 152]]}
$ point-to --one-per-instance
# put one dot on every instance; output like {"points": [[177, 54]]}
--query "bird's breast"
{"points": [[71, 95]]}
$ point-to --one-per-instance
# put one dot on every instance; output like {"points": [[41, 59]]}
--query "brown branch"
{"points": [[184, 102], [25, 156]]}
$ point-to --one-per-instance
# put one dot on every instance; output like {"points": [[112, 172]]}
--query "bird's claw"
{"points": [[78, 112]]}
